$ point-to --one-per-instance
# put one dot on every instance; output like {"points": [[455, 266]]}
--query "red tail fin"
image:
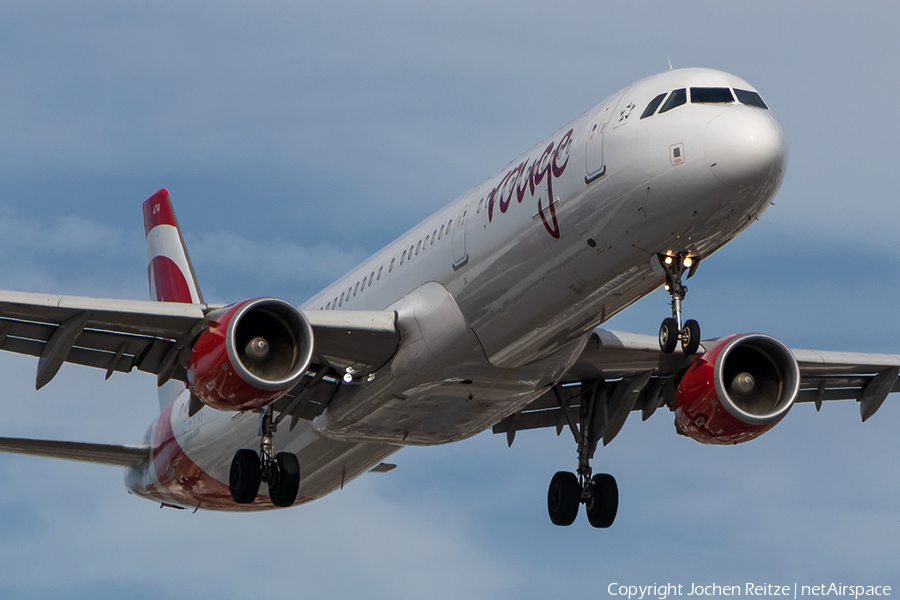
{"points": [[169, 267]]}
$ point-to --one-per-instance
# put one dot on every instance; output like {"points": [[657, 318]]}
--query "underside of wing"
{"points": [[158, 338], [104, 454], [632, 374], [114, 335]]}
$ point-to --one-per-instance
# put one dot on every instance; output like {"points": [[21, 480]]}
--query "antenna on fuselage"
{"points": [[670, 63]]}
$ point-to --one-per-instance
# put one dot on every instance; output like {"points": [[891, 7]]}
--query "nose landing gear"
{"points": [[672, 331], [281, 472]]}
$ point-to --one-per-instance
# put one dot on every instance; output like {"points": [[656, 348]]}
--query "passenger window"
{"points": [[709, 95], [391, 268], [411, 248], [380, 269], [363, 284], [418, 247], [328, 306], [356, 289], [334, 304], [750, 98], [651, 108], [433, 235], [676, 99], [480, 204], [426, 239], [342, 298], [372, 277], [441, 234], [402, 257]]}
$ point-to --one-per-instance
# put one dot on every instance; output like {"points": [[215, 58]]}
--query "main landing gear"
{"points": [[671, 331], [280, 471], [599, 494]]}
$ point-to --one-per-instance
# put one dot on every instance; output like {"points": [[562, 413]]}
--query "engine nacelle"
{"points": [[737, 391], [250, 355]]}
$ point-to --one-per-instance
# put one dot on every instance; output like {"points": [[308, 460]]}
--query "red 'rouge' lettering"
{"points": [[562, 147], [504, 202], [542, 170], [525, 177]]}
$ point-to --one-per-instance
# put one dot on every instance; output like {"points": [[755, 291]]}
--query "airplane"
{"points": [[486, 315]]}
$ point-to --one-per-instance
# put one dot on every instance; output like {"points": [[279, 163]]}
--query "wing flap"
{"points": [[104, 454]]}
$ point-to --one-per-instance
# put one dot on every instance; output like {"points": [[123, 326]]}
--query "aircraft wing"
{"points": [[104, 454], [123, 335], [641, 378]]}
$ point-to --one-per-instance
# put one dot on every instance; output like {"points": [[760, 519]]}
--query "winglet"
{"points": [[169, 267]]}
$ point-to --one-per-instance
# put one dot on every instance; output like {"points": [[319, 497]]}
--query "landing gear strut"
{"points": [[671, 331], [599, 494], [280, 471]]}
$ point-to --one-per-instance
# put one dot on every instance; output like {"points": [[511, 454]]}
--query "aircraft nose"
{"points": [[745, 148]]}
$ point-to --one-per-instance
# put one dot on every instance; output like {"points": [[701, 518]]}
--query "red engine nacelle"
{"points": [[737, 391], [250, 355]]}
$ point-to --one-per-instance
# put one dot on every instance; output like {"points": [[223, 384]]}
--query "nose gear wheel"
{"points": [[672, 331]]}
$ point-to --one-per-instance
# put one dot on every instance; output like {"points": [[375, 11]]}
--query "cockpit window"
{"points": [[651, 108], [676, 98], [750, 98], [706, 95]]}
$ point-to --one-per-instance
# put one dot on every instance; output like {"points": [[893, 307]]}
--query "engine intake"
{"points": [[737, 391], [250, 355]]}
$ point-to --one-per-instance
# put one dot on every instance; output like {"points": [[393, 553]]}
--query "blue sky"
{"points": [[296, 138]]}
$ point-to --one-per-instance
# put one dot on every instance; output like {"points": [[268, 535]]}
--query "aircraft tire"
{"points": [[563, 498], [601, 510], [691, 342], [283, 491], [244, 477], [668, 335]]}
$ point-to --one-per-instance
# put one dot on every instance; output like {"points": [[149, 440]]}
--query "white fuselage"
{"points": [[498, 291]]}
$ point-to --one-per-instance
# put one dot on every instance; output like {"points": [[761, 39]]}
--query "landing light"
{"points": [[668, 260], [348, 377], [687, 262]]}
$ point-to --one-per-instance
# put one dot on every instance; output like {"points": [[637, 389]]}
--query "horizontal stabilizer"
{"points": [[103, 454]]}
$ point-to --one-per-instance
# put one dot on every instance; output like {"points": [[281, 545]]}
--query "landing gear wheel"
{"points": [[601, 509], [690, 337], [668, 335], [244, 478], [563, 498], [283, 490]]}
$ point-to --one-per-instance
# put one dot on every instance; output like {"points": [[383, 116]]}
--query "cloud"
{"points": [[260, 261]]}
